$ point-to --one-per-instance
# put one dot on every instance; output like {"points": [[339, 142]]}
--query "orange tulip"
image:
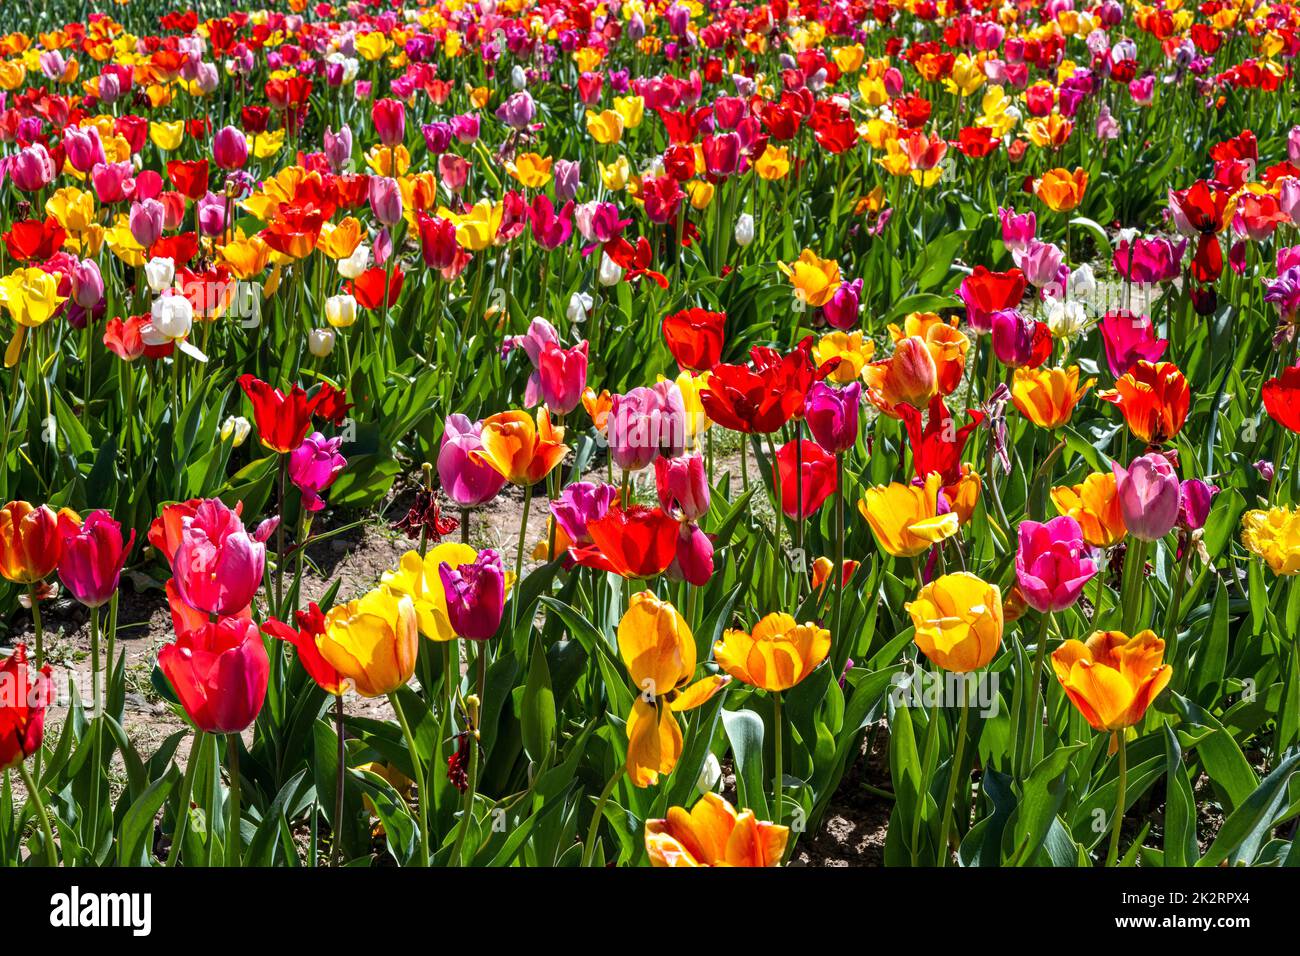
{"points": [[908, 376], [777, 655], [1154, 398], [521, 452], [1095, 505], [1047, 396], [1112, 678], [1062, 190], [712, 833], [948, 344], [30, 542]]}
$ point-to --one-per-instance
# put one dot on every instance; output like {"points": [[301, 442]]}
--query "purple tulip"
{"points": [[833, 414], [842, 309], [476, 595], [645, 423], [580, 503], [1194, 500]]}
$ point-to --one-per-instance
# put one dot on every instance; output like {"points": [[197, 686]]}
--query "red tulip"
{"points": [[369, 287], [283, 420], [636, 542], [219, 672], [937, 448], [1282, 398], [189, 178], [808, 460], [311, 624], [760, 397], [22, 707], [694, 337]]}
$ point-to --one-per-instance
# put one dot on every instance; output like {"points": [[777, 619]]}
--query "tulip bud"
{"points": [[160, 274], [341, 311], [611, 273], [744, 232], [320, 342], [354, 265], [710, 775], [230, 148], [386, 200], [338, 148], [146, 221], [87, 284], [580, 304], [389, 117], [235, 430], [1149, 495]]}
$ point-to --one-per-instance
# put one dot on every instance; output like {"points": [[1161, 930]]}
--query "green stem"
{"points": [[779, 774], [954, 774], [187, 789], [1034, 716], [233, 836], [33, 794], [1112, 855], [37, 627], [519, 556], [336, 847], [467, 809], [422, 817], [589, 848]]}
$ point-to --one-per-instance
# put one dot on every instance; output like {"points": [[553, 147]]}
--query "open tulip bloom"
{"points": [[489, 433]]}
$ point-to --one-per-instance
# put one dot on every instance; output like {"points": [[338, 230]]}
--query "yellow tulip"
{"points": [[850, 348], [383, 160], [418, 579], [167, 136], [1274, 535], [372, 641], [615, 176], [631, 108], [531, 170], [958, 621], [476, 228], [849, 58], [605, 127], [701, 193], [774, 163], [341, 240], [814, 279], [31, 296], [72, 208], [778, 654], [1047, 396], [659, 651], [1113, 678], [905, 518], [1094, 504], [712, 833]]}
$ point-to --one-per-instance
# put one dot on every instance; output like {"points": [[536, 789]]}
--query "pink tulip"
{"points": [[580, 503], [645, 423], [113, 182], [83, 147], [693, 562], [465, 482], [218, 565], [551, 229], [32, 168], [314, 465], [562, 375], [1149, 495], [230, 148], [1052, 563], [93, 557], [390, 121], [1018, 230], [683, 486], [1148, 261], [1129, 338]]}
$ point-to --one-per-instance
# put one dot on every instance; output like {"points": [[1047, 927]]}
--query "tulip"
{"points": [[807, 477], [714, 834], [986, 293], [635, 542], [645, 423], [31, 541], [519, 451], [1281, 397], [284, 420], [1095, 505], [466, 481], [518, 110], [32, 168], [958, 621], [475, 595], [760, 397], [562, 375], [217, 564], [744, 230], [305, 638], [23, 699], [1047, 396], [230, 148], [695, 337], [389, 117], [683, 486], [1112, 678], [1149, 495], [568, 176], [83, 148], [1062, 190], [776, 655], [1052, 563], [87, 284], [313, 466], [1017, 229], [420, 579], [92, 557], [1274, 535], [1129, 339], [659, 651], [1014, 337], [219, 672], [386, 200], [1154, 399], [338, 147], [372, 641], [905, 518], [146, 221], [908, 376], [693, 557], [814, 279], [341, 311], [1194, 500]]}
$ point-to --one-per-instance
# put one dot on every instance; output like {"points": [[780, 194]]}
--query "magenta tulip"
{"points": [[833, 414], [314, 465], [476, 595], [467, 483], [1053, 563], [93, 557], [217, 565]]}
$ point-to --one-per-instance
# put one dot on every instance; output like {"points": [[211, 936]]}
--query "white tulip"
{"points": [[235, 429], [320, 342], [744, 229], [160, 274], [341, 311], [355, 264], [611, 273], [579, 305], [710, 775]]}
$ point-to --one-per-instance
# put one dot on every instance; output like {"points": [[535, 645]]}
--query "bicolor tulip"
{"points": [[712, 833], [1094, 504], [1154, 398], [26, 694], [1112, 678], [958, 621], [521, 451], [777, 654], [1047, 396], [31, 541]]}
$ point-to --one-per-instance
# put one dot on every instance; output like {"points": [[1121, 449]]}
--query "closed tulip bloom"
{"points": [[372, 641], [341, 311], [220, 672], [30, 542], [386, 200], [1047, 396], [26, 694], [658, 650], [909, 376], [1274, 535], [1112, 678], [712, 833], [420, 579], [645, 423], [833, 415], [475, 595], [693, 559], [520, 451], [217, 565], [683, 486], [776, 655], [905, 518], [314, 465], [1154, 398], [389, 117], [467, 482], [230, 148], [695, 337], [1094, 504], [958, 621], [93, 557], [842, 308], [805, 467], [1149, 494], [1052, 563], [562, 375], [1194, 501], [146, 221]]}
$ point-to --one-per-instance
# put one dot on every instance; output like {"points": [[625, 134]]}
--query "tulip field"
{"points": [[593, 433]]}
